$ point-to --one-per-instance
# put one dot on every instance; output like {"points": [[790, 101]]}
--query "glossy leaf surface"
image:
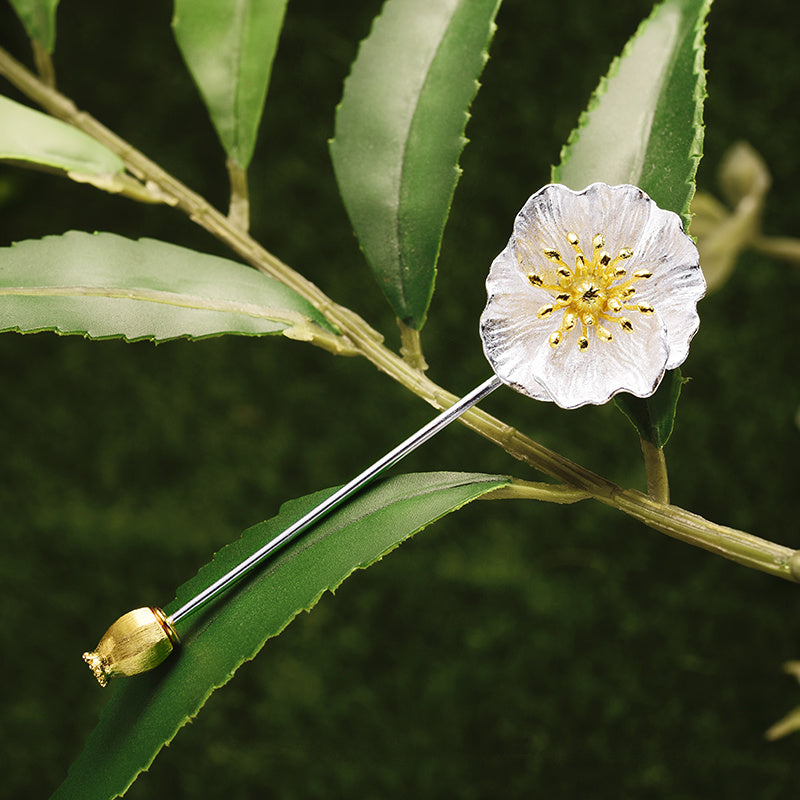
{"points": [[399, 133], [644, 123], [644, 126], [229, 47], [103, 286], [654, 417], [145, 712], [27, 135]]}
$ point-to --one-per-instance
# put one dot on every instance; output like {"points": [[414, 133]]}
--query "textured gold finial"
{"points": [[136, 642]]}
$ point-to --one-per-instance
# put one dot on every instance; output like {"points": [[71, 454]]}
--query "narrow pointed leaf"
{"points": [[399, 133], [644, 123], [644, 126], [39, 19], [145, 712], [103, 285], [229, 47], [27, 135]]}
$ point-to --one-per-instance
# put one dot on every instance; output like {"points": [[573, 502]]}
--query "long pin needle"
{"points": [[143, 638]]}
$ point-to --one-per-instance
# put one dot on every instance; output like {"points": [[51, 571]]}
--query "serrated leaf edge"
{"points": [[700, 94]]}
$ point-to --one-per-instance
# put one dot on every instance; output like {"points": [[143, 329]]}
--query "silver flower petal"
{"points": [[594, 294]]}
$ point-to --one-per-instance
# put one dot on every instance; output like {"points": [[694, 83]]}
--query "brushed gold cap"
{"points": [[136, 642]]}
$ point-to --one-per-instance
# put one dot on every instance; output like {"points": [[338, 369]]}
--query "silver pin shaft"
{"points": [[370, 473]]}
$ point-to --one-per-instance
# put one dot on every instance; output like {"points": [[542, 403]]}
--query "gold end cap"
{"points": [[138, 641]]}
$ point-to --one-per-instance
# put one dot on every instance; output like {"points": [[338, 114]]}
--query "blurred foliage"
{"points": [[514, 648]]}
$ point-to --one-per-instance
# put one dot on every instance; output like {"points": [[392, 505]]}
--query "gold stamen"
{"points": [[593, 293], [604, 334], [553, 255]]}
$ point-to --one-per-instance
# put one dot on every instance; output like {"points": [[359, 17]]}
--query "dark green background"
{"points": [[513, 650]]}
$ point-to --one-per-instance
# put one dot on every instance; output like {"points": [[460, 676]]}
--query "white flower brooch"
{"points": [[595, 294]]}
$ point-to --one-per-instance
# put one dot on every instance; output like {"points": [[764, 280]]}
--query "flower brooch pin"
{"points": [[595, 294]]}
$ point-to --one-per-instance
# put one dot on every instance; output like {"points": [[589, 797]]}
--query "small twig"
{"points": [[783, 247], [411, 347], [530, 490], [239, 209], [44, 64], [655, 466]]}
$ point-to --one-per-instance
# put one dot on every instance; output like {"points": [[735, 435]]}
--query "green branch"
{"points": [[739, 546]]}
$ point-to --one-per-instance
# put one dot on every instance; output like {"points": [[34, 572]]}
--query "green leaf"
{"points": [[654, 417], [644, 123], [103, 285], [39, 19], [644, 126], [27, 135], [145, 712], [399, 133], [229, 47]]}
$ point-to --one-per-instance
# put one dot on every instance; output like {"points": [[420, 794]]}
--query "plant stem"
{"points": [[44, 64], [530, 490], [239, 209], [738, 546], [783, 247], [411, 347], [655, 466]]}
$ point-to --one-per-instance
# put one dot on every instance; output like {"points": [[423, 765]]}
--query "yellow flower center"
{"points": [[593, 294]]}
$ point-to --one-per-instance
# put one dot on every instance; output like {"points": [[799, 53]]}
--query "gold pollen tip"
{"points": [[136, 642], [583, 343], [572, 238], [626, 252], [604, 334], [642, 273], [544, 311], [534, 280], [599, 241]]}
